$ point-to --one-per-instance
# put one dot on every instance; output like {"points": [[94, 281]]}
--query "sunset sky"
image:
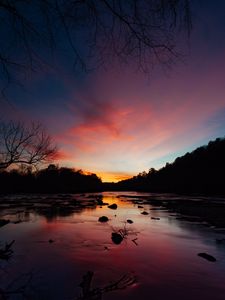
{"points": [[117, 122]]}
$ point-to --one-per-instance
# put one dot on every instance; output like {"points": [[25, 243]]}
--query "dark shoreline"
{"points": [[51, 192]]}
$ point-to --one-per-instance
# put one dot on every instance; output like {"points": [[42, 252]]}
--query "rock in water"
{"points": [[113, 206], [207, 257], [129, 221], [3, 222], [144, 213], [117, 238], [103, 219]]}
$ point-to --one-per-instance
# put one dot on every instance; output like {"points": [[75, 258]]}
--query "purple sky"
{"points": [[117, 122]]}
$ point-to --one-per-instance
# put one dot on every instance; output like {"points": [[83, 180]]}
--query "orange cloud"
{"points": [[122, 123]]}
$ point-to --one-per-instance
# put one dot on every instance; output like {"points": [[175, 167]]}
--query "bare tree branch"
{"points": [[19, 144], [93, 32]]}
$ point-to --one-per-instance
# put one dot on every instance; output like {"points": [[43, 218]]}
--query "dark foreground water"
{"points": [[157, 258]]}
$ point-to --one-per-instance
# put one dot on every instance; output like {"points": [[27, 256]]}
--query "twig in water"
{"points": [[96, 293], [6, 252]]}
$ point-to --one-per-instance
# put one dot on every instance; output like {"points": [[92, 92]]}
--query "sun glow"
{"points": [[113, 177]]}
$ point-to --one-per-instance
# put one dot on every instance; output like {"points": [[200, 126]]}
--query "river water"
{"points": [[157, 257]]}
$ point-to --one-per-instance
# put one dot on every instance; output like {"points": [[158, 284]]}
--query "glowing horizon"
{"points": [[112, 177]]}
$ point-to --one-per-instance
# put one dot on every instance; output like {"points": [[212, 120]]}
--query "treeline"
{"points": [[201, 171], [49, 180]]}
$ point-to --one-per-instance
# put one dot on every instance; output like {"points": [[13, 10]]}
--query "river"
{"points": [[156, 257]]}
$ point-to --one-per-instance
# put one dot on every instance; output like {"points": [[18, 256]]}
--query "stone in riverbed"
{"points": [[116, 238], [103, 219], [207, 257], [3, 222], [129, 221], [144, 213], [113, 206]]}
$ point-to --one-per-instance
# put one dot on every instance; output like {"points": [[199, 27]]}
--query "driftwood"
{"points": [[89, 293], [17, 287], [6, 252]]}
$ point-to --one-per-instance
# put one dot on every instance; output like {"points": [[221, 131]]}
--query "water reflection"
{"points": [[160, 250]]}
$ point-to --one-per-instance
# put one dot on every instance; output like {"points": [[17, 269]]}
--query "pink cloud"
{"points": [[121, 122]]}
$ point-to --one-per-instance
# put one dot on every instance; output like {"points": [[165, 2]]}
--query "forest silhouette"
{"points": [[52, 179], [201, 171]]}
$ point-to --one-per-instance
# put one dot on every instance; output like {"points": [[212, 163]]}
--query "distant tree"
{"points": [[24, 145], [93, 30], [152, 171], [52, 167]]}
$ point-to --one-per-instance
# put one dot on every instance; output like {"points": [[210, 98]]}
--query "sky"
{"points": [[116, 121]]}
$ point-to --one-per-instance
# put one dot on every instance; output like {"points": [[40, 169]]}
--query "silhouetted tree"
{"points": [[24, 145]]}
